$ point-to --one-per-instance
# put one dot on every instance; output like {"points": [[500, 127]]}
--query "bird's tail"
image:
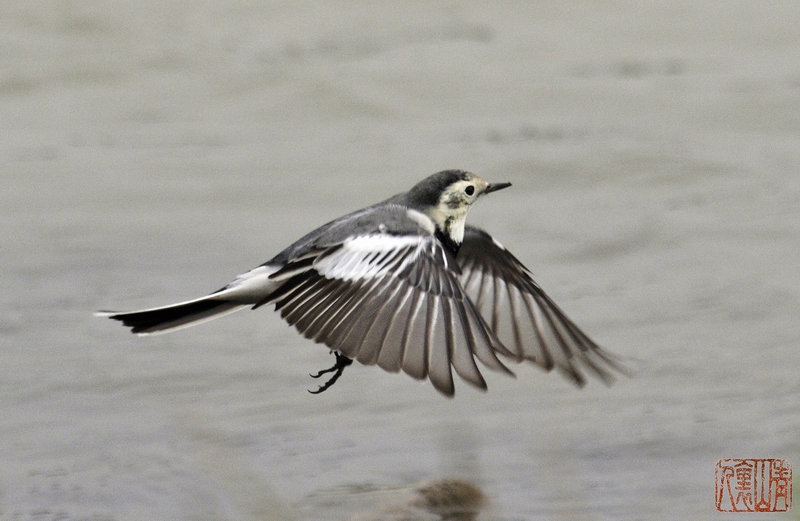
{"points": [[177, 316], [248, 289]]}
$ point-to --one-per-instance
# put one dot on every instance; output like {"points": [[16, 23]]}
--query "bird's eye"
{"points": [[469, 190]]}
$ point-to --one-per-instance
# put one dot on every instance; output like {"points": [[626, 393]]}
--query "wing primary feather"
{"points": [[449, 328], [414, 354], [567, 366], [366, 313], [514, 319], [437, 349], [546, 360], [481, 289], [461, 355], [486, 351], [587, 349], [495, 303], [468, 280], [374, 336], [391, 355], [430, 325]]}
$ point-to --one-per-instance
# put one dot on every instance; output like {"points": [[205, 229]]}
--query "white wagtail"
{"points": [[406, 285]]}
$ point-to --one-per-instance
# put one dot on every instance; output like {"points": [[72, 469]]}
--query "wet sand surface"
{"points": [[151, 151]]}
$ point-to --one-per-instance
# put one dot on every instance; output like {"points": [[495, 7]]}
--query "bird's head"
{"points": [[447, 196]]}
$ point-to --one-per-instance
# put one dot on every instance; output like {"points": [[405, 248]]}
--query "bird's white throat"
{"points": [[456, 230], [450, 221]]}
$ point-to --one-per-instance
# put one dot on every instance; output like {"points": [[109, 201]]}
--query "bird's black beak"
{"points": [[493, 187]]}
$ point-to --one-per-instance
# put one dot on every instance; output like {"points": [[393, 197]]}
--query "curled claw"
{"points": [[341, 362]]}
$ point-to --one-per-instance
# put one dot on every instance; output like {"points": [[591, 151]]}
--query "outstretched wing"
{"points": [[522, 316], [394, 301]]}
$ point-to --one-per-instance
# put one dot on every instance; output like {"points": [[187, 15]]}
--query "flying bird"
{"points": [[406, 285]]}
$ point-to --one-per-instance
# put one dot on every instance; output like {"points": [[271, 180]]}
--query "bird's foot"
{"points": [[341, 362]]}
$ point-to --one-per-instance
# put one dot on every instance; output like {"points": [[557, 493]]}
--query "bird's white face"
{"points": [[451, 213]]}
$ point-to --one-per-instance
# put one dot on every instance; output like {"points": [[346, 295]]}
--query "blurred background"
{"points": [[151, 151]]}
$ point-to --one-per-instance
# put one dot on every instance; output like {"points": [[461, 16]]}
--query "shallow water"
{"points": [[152, 151]]}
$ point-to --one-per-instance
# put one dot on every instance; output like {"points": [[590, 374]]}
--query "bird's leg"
{"points": [[341, 362]]}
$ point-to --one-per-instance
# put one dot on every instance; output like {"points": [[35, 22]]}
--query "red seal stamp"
{"points": [[753, 485]]}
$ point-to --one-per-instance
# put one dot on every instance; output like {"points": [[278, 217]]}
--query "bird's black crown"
{"points": [[428, 191]]}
